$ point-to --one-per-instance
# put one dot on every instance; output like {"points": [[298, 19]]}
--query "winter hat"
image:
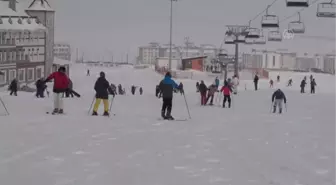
{"points": [[102, 74], [168, 74], [61, 69]]}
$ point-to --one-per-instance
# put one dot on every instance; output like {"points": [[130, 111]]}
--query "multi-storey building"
{"points": [[329, 63], [26, 39], [62, 51]]}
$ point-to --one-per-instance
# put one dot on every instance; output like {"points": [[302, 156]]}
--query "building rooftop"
{"points": [[40, 5]]}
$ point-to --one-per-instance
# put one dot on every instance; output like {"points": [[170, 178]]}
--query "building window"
{"points": [[22, 75], [38, 73], [12, 74], [273, 61], [30, 74], [3, 78]]}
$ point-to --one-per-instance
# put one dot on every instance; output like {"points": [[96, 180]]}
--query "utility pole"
{"points": [[236, 31], [186, 41], [171, 34]]}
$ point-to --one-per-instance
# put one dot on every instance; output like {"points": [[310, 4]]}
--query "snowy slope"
{"points": [[239, 146]]}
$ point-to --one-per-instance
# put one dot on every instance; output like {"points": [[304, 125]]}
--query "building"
{"points": [[195, 63], [329, 64], [148, 54], [62, 51], [26, 38], [305, 62]]}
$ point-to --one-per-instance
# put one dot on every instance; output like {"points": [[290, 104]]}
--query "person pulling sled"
{"points": [[167, 86], [103, 89], [61, 84], [277, 98]]}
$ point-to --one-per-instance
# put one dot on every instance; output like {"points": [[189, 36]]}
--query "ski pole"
{"points": [[3, 104], [111, 104], [91, 104], [187, 105], [271, 107]]}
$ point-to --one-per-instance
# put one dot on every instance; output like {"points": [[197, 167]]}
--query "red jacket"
{"points": [[226, 90], [61, 81]]}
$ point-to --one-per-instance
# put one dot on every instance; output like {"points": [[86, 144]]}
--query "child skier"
{"points": [[167, 86], [212, 90], [140, 90], [277, 98], [13, 87], [203, 90], [271, 83], [312, 86], [61, 84], [103, 89], [226, 89]]}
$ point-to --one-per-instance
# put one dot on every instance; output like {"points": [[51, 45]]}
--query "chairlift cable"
{"points": [[268, 6], [302, 9]]}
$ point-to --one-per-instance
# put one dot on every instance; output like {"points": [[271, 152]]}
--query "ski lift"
{"points": [[240, 39], [326, 10], [261, 39], [249, 41], [275, 36], [252, 32], [297, 3], [297, 26], [269, 21], [229, 40]]}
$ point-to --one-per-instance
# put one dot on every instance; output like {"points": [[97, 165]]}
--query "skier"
{"points": [[181, 88], [277, 98], [235, 81], [197, 87], [203, 90], [120, 90], [226, 89], [114, 90], [61, 84], [40, 88], [290, 82], [13, 87], [133, 89], [217, 82], [303, 85], [312, 86], [167, 86], [211, 93], [88, 72], [103, 89], [311, 77], [271, 83], [140, 90], [278, 78], [255, 81]]}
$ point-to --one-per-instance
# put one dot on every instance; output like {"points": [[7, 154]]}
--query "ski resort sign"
{"points": [[288, 34]]}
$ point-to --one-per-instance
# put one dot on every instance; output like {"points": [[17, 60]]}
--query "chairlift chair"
{"points": [[326, 10], [249, 41], [270, 21], [274, 36], [253, 33], [240, 39], [297, 26], [261, 39], [229, 40], [297, 3]]}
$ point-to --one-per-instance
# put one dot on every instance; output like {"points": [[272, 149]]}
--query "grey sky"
{"points": [[103, 26]]}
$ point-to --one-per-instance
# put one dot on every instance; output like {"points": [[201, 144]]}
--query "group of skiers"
{"points": [[302, 84], [133, 89]]}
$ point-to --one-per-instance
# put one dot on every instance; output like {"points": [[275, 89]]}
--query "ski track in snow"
{"points": [[244, 145]]}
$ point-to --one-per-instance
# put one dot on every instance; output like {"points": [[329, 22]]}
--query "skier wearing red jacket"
{"points": [[61, 84], [226, 89]]}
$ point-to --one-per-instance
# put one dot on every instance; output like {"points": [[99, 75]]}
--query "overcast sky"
{"points": [[103, 27]]}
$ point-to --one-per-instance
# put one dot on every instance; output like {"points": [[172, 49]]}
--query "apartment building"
{"points": [[62, 51]]}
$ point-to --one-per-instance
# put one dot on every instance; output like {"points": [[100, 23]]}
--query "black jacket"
{"points": [[203, 88], [13, 85], [279, 95], [102, 88], [256, 79], [167, 86]]}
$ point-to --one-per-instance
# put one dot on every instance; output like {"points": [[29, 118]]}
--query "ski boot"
{"points": [[169, 116], [106, 113], [55, 111], [274, 109], [60, 111], [94, 113], [163, 115]]}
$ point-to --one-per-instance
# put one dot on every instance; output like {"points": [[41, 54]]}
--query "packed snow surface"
{"points": [[244, 145]]}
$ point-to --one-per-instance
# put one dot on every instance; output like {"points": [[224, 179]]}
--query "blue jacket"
{"points": [[217, 82], [167, 86]]}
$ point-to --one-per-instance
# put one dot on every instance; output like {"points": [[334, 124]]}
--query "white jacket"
{"points": [[235, 81]]}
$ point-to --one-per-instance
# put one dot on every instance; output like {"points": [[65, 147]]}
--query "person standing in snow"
{"points": [[203, 91], [226, 89], [133, 88], [103, 89], [40, 88], [217, 82], [271, 83], [235, 82], [181, 88], [255, 81], [290, 82], [167, 86], [211, 93], [88, 72], [277, 98], [61, 84], [278, 78], [140, 90], [13, 87], [303, 85], [312, 86]]}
